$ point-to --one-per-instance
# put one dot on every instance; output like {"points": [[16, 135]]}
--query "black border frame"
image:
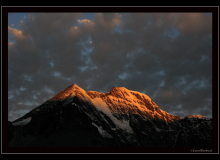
{"points": [[215, 79]]}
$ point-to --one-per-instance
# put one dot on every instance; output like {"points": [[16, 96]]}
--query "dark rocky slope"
{"points": [[120, 118]]}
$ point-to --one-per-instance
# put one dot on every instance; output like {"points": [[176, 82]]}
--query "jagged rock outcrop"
{"points": [[119, 118]]}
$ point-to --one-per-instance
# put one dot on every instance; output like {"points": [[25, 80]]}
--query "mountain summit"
{"points": [[70, 92], [119, 118]]}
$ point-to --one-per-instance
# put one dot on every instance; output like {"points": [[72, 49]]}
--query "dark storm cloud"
{"points": [[164, 55]]}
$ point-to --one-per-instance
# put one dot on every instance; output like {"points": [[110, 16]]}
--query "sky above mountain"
{"points": [[167, 56]]}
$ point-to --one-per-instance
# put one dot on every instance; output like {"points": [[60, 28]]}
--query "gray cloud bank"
{"points": [[167, 56]]}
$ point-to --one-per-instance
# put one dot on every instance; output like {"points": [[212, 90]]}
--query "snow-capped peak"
{"points": [[125, 117], [119, 100], [121, 92], [71, 91]]}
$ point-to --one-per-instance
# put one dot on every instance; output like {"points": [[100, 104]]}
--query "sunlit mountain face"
{"points": [[119, 118]]}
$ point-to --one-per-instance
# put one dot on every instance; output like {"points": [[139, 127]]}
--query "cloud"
{"points": [[168, 56], [17, 34], [107, 21], [82, 27], [10, 47], [85, 22], [194, 23]]}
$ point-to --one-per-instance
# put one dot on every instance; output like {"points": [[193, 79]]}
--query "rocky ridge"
{"points": [[119, 118]]}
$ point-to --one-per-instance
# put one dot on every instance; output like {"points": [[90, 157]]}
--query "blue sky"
{"points": [[15, 18], [167, 56]]}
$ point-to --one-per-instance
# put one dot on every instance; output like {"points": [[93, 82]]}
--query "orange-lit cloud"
{"points": [[85, 21], [17, 34], [75, 31], [10, 45], [75, 28], [190, 23], [85, 26]]}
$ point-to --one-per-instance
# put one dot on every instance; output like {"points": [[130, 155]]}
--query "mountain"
{"points": [[119, 118]]}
